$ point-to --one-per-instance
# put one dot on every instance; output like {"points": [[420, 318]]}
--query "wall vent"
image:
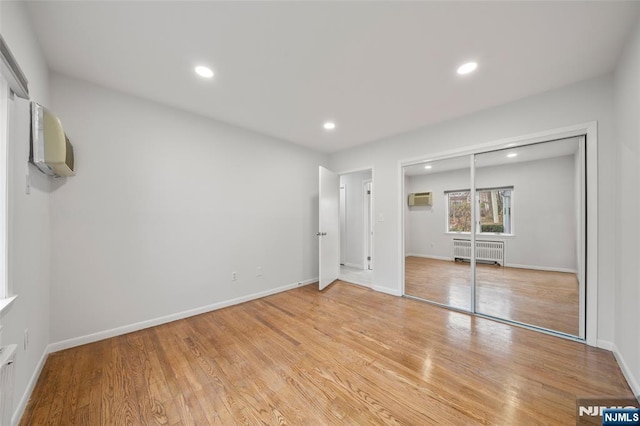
{"points": [[420, 199]]}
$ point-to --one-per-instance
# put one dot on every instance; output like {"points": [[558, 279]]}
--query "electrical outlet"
{"points": [[258, 271], [234, 276], [26, 339]]}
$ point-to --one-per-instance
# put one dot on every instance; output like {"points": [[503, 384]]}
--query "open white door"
{"points": [[329, 227]]}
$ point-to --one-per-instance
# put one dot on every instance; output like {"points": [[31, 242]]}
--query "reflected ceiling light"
{"points": [[203, 71], [467, 68], [329, 125], [513, 154], [428, 166]]}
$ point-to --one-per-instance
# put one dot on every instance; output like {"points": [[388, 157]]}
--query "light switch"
{"points": [[380, 217]]}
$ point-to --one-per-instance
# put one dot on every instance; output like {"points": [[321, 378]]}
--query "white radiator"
{"points": [[486, 251], [7, 367]]}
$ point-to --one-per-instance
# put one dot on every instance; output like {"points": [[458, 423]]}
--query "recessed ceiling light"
{"points": [[513, 154], [329, 125], [203, 71], [428, 166], [467, 68]]}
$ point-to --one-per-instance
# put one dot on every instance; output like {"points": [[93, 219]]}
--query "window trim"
{"points": [[13, 82], [4, 189], [477, 212]]}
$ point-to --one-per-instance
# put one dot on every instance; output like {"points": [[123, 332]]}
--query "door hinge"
{"points": [[368, 192], [369, 258]]}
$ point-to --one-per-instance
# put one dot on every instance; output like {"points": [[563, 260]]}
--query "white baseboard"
{"points": [[355, 281], [22, 405], [428, 256], [605, 344], [626, 371], [101, 335], [540, 268], [387, 290]]}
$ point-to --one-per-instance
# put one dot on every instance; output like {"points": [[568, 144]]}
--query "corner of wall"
{"points": [[626, 371], [24, 399], [387, 290], [626, 340]]}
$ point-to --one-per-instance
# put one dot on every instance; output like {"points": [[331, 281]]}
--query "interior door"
{"points": [[329, 227]]}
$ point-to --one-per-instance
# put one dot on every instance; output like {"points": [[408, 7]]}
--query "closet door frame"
{"points": [[590, 131]]}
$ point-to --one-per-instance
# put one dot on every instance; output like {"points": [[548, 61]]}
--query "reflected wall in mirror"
{"points": [[431, 271], [529, 224]]}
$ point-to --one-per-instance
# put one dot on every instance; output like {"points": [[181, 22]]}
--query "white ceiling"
{"points": [[376, 68]]}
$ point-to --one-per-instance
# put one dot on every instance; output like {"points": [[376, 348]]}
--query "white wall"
{"points": [[425, 226], [29, 223], [579, 103], [354, 243], [165, 205], [627, 209], [543, 212]]}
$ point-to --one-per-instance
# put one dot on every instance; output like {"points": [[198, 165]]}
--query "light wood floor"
{"points": [[541, 298], [347, 355]]}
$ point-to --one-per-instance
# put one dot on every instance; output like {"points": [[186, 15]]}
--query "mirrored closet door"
{"points": [[437, 214], [529, 228], [517, 216]]}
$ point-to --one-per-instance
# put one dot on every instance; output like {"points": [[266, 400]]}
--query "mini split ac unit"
{"points": [[420, 199], [51, 150]]}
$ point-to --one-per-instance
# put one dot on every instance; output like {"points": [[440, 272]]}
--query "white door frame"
{"points": [[590, 129], [343, 222], [4, 187], [373, 223], [367, 188]]}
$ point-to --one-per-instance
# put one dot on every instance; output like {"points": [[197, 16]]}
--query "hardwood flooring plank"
{"points": [[346, 355], [522, 295], [77, 381]]}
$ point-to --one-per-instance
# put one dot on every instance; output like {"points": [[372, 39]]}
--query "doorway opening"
{"points": [[356, 228]]}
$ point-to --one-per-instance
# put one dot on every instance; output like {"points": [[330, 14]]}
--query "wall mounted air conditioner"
{"points": [[51, 150], [420, 199]]}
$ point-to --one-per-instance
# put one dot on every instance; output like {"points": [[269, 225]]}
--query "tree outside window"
{"points": [[493, 210], [459, 211]]}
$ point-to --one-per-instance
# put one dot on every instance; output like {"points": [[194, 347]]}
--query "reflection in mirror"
{"points": [[356, 228], [530, 235], [437, 214]]}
